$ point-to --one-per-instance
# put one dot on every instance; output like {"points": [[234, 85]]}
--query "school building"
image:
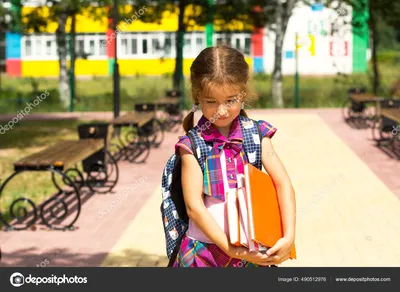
{"points": [[327, 43]]}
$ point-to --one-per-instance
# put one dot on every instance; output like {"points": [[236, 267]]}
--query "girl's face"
{"points": [[221, 105]]}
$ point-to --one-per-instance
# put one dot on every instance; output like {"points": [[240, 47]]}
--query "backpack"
{"points": [[173, 209]]}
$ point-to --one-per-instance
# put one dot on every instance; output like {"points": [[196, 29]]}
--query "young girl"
{"points": [[219, 77]]}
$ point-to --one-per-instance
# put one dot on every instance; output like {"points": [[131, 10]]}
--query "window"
{"points": [[134, 46], [247, 44], [144, 46], [28, 48], [103, 47], [155, 44], [199, 44], [187, 45], [48, 48], [219, 41], [237, 45], [81, 47], [38, 47], [91, 47], [124, 46], [168, 46]]}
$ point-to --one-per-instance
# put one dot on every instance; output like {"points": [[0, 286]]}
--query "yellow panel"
{"points": [[100, 67], [40, 68], [157, 67], [91, 67]]}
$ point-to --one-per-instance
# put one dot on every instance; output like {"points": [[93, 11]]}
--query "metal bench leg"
{"points": [[120, 146], [103, 175], [21, 217], [60, 206], [139, 147], [142, 150], [74, 174]]}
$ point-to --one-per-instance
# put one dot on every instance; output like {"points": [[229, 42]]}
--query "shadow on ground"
{"points": [[30, 257]]}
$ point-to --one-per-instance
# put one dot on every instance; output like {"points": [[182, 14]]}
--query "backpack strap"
{"points": [[200, 147], [252, 141]]}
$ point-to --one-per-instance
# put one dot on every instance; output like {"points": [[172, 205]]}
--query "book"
{"points": [[233, 217], [264, 217]]}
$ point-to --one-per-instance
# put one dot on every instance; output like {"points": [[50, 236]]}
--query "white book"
{"points": [[233, 216]]}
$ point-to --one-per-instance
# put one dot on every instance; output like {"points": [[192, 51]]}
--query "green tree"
{"points": [[60, 12]]}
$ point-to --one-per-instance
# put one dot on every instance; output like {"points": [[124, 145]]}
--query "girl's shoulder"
{"points": [[266, 129], [184, 142]]}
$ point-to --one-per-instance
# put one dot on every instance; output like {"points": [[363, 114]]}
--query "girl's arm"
{"points": [[284, 188], [192, 186]]}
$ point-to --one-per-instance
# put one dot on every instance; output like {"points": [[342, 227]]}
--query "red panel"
{"points": [[257, 42], [13, 67], [110, 39]]}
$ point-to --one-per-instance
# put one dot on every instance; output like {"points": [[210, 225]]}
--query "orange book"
{"points": [[265, 223]]}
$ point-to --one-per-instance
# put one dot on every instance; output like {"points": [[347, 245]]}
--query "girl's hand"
{"points": [[254, 257], [280, 252]]}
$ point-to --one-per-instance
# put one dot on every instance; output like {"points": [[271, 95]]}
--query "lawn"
{"points": [[96, 94]]}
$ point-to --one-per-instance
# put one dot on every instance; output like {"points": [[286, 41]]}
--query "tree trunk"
{"points": [[375, 43], [178, 73], [72, 66], [62, 59], [277, 97]]}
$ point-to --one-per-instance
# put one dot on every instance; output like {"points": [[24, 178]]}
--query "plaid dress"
{"points": [[196, 253]]}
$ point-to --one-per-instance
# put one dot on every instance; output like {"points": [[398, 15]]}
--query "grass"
{"points": [[96, 94]]}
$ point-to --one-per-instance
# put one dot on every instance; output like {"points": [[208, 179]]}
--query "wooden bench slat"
{"points": [[167, 100], [135, 118], [363, 97], [66, 152], [42, 155], [391, 113]]}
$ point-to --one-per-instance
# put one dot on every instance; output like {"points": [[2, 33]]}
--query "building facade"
{"points": [[326, 45]]}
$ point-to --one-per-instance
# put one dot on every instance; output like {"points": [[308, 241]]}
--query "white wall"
{"points": [[322, 63]]}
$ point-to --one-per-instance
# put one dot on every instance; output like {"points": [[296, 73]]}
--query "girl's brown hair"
{"points": [[220, 65]]}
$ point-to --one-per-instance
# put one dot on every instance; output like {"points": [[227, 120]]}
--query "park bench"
{"points": [[170, 104], [138, 137], [386, 131], [98, 171], [356, 108]]}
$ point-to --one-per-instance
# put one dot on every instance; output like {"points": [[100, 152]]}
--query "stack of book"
{"points": [[254, 217]]}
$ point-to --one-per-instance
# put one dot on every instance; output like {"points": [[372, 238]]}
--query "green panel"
{"points": [[111, 66], [210, 24], [360, 35]]}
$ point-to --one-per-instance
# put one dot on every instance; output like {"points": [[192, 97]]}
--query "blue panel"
{"points": [[289, 54], [13, 45], [317, 7], [258, 64]]}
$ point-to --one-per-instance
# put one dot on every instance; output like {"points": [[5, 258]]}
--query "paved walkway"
{"points": [[347, 194]]}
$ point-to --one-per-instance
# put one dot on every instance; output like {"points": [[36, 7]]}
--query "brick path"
{"points": [[346, 188]]}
